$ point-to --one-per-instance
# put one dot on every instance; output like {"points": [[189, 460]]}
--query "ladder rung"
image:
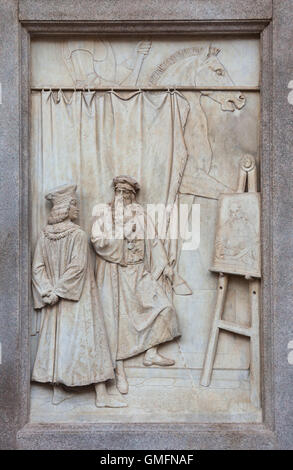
{"points": [[234, 328]]}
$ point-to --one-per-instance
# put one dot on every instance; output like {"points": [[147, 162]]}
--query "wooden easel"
{"points": [[247, 173]]}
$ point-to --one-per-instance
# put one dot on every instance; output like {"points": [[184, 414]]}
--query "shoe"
{"points": [[122, 384], [109, 402], [60, 395], [121, 379], [155, 359]]}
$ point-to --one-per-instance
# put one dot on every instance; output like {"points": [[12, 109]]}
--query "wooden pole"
{"points": [[255, 393], [214, 333]]}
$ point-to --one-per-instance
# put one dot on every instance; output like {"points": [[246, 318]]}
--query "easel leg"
{"points": [[214, 333], [254, 287]]}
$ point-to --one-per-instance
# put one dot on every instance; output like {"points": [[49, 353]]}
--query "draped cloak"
{"points": [[139, 314], [73, 346]]}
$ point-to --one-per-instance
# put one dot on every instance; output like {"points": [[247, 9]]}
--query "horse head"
{"points": [[211, 72], [201, 67]]}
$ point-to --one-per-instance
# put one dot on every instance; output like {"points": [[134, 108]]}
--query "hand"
{"points": [[143, 47], [51, 299], [168, 273], [130, 231], [102, 229], [47, 292]]}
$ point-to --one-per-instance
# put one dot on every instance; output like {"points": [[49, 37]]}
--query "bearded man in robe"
{"points": [[73, 347], [131, 270]]}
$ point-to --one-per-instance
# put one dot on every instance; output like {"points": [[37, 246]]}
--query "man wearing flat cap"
{"points": [[130, 270]]}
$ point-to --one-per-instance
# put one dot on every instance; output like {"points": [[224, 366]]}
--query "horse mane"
{"points": [[171, 60]]}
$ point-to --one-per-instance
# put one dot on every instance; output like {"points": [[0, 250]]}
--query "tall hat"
{"points": [[62, 195], [126, 182], [61, 198]]}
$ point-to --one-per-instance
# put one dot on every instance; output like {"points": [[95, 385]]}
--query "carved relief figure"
{"points": [[237, 233], [130, 273], [237, 246], [183, 146], [94, 63], [73, 347], [199, 66]]}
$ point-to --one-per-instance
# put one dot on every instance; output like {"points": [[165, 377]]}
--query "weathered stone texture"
{"points": [[277, 235]]}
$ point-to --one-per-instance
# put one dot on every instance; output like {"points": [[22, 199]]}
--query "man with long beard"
{"points": [[131, 270]]}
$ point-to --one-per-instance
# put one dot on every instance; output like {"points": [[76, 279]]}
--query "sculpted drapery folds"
{"points": [[73, 346], [131, 271], [177, 114]]}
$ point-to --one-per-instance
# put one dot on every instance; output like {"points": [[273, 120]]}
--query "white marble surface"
{"points": [[216, 140], [49, 66], [157, 398]]}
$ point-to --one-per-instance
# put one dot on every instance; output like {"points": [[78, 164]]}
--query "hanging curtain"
{"points": [[90, 137]]}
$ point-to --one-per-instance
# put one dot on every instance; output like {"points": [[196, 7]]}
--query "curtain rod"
{"points": [[155, 88]]}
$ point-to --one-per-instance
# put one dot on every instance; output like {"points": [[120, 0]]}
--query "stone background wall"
{"points": [[21, 18]]}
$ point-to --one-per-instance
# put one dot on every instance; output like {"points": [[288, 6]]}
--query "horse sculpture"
{"points": [[199, 67]]}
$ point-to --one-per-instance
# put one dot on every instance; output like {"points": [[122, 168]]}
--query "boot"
{"points": [[153, 358], [60, 394], [104, 400], [121, 379]]}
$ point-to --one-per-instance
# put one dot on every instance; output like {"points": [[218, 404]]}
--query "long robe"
{"points": [[73, 346], [138, 312]]}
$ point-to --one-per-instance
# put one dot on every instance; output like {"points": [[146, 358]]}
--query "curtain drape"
{"points": [[89, 138]]}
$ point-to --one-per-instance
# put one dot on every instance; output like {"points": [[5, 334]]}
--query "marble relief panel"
{"points": [[144, 62], [75, 141]]}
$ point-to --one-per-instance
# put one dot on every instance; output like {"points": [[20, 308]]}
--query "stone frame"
{"points": [[23, 19]]}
